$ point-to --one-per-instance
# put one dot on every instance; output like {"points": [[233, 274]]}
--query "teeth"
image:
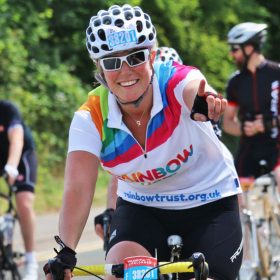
{"points": [[129, 83]]}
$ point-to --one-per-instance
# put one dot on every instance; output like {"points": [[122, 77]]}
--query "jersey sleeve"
{"points": [[231, 94], [181, 79], [83, 134], [12, 116]]}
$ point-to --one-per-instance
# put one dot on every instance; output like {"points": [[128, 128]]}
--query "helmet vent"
{"points": [[238, 36], [101, 34], [141, 39], [119, 23], [107, 20], [104, 47], [137, 13], [104, 13], [116, 12], [92, 37], [148, 25], [97, 23], [89, 31], [128, 15], [95, 50], [139, 26], [151, 36]]}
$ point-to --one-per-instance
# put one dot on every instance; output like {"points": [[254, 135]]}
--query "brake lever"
{"points": [[201, 270]]}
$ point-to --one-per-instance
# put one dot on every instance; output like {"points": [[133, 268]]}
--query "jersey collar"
{"points": [[115, 115]]}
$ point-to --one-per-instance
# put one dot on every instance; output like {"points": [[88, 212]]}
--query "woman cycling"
{"points": [[148, 125]]}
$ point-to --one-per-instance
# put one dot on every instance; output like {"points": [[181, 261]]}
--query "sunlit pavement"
{"points": [[89, 249]]}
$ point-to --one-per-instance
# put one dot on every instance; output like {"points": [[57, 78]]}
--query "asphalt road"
{"points": [[89, 250]]}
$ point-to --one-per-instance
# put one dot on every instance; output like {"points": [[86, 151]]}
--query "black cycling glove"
{"points": [[200, 105], [201, 270], [65, 259], [99, 219]]}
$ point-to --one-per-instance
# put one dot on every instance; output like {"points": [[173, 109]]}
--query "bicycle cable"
{"points": [[164, 264], [90, 273], [82, 269]]}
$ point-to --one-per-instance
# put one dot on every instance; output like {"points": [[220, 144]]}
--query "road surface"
{"points": [[89, 250]]}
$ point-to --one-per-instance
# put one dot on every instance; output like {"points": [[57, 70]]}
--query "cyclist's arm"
{"points": [[79, 185], [111, 204], [16, 141], [80, 180], [231, 122], [15, 137], [112, 193]]}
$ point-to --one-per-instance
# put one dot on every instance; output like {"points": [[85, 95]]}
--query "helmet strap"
{"points": [[99, 77], [247, 56]]}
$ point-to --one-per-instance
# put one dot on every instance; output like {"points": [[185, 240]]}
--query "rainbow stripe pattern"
{"points": [[120, 147]]}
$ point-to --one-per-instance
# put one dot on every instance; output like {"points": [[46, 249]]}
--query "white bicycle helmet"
{"points": [[247, 32], [166, 54], [118, 29]]}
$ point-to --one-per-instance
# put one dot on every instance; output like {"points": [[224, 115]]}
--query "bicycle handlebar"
{"points": [[265, 180], [164, 268], [7, 195]]}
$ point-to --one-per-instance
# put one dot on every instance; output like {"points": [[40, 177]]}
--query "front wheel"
{"points": [[274, 245], [15, 274]]}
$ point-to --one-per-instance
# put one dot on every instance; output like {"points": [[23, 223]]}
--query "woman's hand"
{"points": [[207, 104]]}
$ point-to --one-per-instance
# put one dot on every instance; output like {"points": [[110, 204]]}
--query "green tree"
{"points": [[46, 94]]}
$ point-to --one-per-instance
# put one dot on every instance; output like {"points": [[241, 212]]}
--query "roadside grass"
{"points": [[49, 193], [49, 190]]}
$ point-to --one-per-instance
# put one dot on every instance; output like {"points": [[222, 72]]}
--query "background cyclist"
{"points": [[253, 101], [18, 161], [174, 176]]}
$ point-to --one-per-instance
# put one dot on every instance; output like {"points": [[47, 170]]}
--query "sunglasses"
{"points": [[133, 59], [234, 48]]}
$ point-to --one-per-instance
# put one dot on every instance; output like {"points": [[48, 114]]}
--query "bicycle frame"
{"points": [[7, 255], [261, 254]]}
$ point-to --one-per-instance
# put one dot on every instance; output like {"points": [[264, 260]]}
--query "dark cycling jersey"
{"points": [[257, 93], [10, 116]]}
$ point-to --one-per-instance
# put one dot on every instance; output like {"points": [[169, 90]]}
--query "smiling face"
{"points": [[128, 83]]}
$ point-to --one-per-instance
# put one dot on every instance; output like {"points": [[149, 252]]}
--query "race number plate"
{"points": [[136, 267], [121, 38]]}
